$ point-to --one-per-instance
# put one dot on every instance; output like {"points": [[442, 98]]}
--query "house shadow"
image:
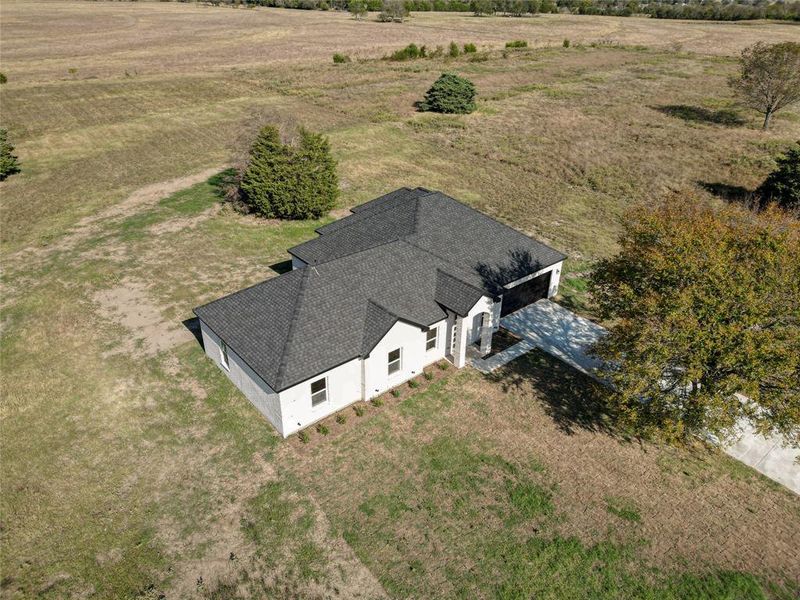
{"points": [[520, 264], [281, 267], [697, 114], [572, 399], [193, 325]]}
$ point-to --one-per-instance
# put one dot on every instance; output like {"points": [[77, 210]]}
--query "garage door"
{"points": [[525, 293]]}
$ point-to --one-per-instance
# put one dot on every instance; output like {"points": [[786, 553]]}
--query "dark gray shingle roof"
{"points": [[406, 256]]}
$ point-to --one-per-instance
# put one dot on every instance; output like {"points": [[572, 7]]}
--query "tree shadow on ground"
{"points": [[573, 400], [698, 114], [727, 192]]}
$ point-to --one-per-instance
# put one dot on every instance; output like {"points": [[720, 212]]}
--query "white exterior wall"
{"points": [[243, 377], [484, 305], [413, 357], [343, 388]]}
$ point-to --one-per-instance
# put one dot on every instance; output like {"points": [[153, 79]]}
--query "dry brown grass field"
{"points": [[131, 468]]}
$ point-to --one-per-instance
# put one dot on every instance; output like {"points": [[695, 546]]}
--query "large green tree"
{"points": [[704, 305], [290, 182], [783, 184], [769, 77]]}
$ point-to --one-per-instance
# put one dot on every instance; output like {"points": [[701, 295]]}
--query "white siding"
{"points": [[343, 388], [252, 386], [484, 305], [411, 341]]}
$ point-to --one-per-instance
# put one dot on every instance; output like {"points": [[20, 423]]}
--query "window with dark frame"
{"points": [[430, 339], [319, 392], [394, 361], [223, 353]]}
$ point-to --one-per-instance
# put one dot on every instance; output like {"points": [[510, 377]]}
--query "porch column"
{"points": [[486, 337], [460, 345]]}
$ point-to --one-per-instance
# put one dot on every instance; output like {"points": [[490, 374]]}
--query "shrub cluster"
{"points": [[782, 186], [340, 58], [450, 94], [8, 161], [290, 182], [410, 52]]}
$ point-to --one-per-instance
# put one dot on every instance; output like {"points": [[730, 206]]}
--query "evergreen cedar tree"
{"points": [[705, 304], [286, 182], [450, 94], [783, 184], [769, 77], [8, 161]]}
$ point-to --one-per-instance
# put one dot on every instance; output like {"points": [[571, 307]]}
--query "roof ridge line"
{"points": [[457, 278], [381, 210], [292, 321], [496, 220], [443, 259]]}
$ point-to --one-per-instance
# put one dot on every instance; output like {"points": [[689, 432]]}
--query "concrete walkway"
{"points": [[565, 335]]}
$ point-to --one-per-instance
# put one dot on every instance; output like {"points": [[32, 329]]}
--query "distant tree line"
{"points": [[713, 10]]}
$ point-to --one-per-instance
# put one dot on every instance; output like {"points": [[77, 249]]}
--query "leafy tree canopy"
{"points": [[290, 182], [704, 305], [783, 184], [769, 77], [450, 94]]}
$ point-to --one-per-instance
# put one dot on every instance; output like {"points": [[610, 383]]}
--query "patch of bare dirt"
{"points": [[129, 305], [90, 226]]}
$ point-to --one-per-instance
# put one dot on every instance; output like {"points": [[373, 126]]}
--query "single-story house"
{"points": [[406, 280]]}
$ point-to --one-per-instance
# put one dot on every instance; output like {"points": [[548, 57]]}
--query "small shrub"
{"points": [[8, 160], [453, 51], [470, 48], [3, 78], [413, 384], [341, 419], [517, 44], [376, 402], [303, 436], [437, 52], [427, 375], [359, 410], [340, 59], [410, 52], [323, 429], [565, 43], [396, 393], [450, 94], [443, 365]]}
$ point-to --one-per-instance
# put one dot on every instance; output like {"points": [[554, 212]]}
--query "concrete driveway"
{"points": [[567, 336]]}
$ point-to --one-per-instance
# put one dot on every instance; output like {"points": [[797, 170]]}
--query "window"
{"points": [[319, 392], [223, 354], [394, 361], [430, 340]]}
